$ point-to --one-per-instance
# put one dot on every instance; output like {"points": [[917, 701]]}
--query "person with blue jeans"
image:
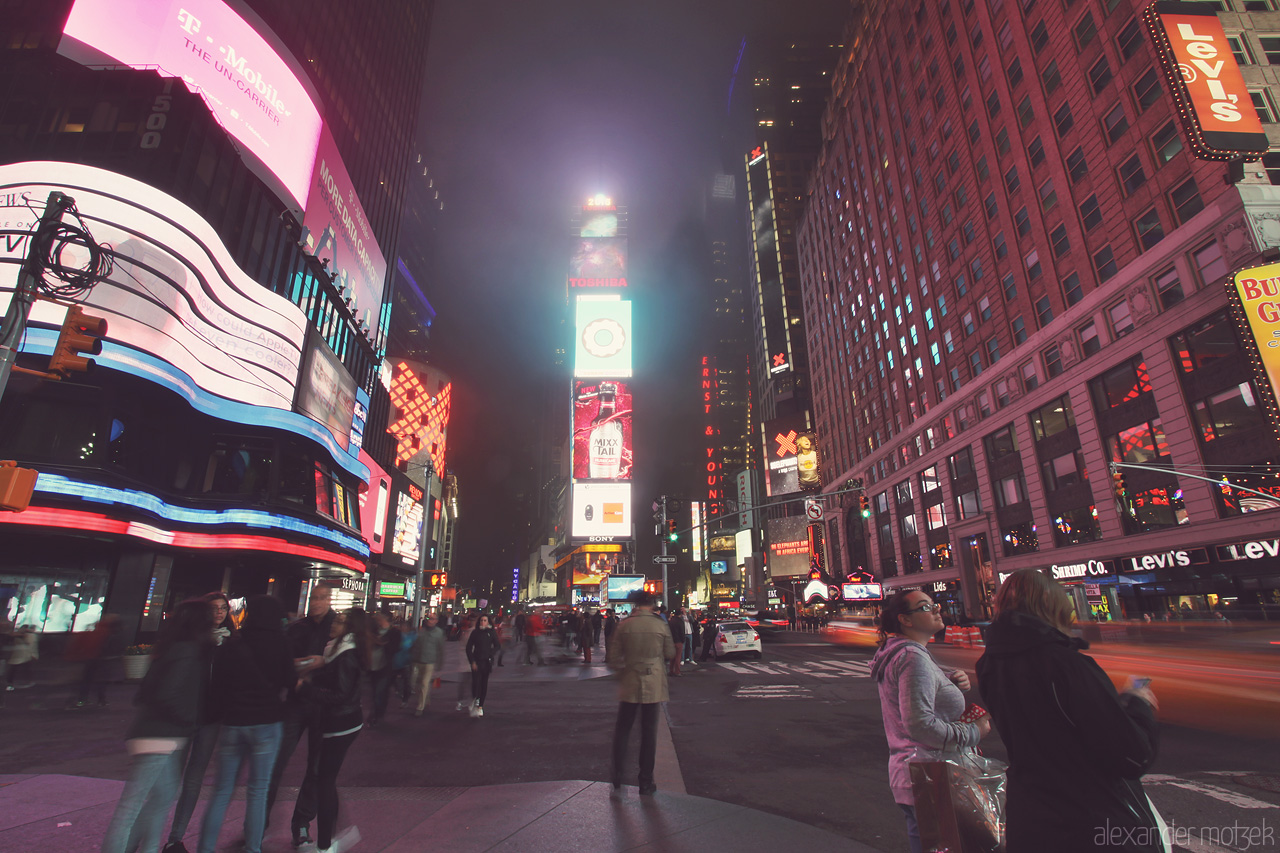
{"points": [[170, 704], [252, 673]]}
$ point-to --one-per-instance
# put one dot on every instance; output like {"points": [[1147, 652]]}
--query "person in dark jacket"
{"points": [[1077, 748], [170, 705], [252, 673], [482, 646], [386, 643], [675, 624], [334, 690]]}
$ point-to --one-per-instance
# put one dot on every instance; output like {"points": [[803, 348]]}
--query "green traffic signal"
{"points": [[671, 536], [866, 513]]}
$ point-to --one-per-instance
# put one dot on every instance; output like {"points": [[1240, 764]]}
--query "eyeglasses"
{"points": [[926, 608]]}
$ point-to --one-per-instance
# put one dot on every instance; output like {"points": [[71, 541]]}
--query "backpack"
{"points": [[401, 659]]}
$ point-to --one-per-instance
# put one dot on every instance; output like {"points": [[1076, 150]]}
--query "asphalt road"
{"points": [[797, 734]]}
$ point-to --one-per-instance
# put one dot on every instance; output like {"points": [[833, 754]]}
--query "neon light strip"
{"points": [[55, 484], [126, 359], [71, 519]]}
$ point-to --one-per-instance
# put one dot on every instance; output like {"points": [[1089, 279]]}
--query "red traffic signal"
{"points": [[81, 333]]}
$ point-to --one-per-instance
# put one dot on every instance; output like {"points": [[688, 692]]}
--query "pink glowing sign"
{"points": [[251, 90]]}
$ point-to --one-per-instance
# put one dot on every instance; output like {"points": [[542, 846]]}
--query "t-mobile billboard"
{"points": [[602, 430], [249, 87], [335, 227]]}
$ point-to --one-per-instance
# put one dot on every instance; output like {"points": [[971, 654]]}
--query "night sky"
{"points": [[529, 109]]}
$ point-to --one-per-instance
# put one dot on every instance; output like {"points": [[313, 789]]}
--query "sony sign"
{"points": [[1071, 571]]}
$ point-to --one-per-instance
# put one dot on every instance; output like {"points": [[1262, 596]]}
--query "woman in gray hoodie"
{"points": [[921, 704]]}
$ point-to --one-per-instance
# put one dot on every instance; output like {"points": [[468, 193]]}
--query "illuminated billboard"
{"points": [[599, 224], [374, 502], [602, 448], [250, 87], [783, 445], [770, 294], [603, 342], [590, 566], [788, 546], [621, 586], [406, 536], [175, 295], [326, 391], [335, 228], [861, 592], [1210, 93], [1257, 311], [601, 510], [697, 532], [421, 398], [599, 262]]}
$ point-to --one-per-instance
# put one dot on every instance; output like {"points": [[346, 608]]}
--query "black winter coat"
{"points": [[335, 690], [482, 646], [252, 674], [1077, 749], [171, 697]]}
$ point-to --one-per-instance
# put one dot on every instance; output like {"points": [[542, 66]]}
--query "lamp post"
{"points": [[430, 467]]}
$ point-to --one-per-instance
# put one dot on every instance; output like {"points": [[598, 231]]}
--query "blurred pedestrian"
{"points": [[533, 629], [1077, 748], [675, 625], [334, 690], [386, 643], [597, 624], [586, 633], [426, 658], [252, 673], [639, 651], [482, 646], [402, 679], [24, 648], [709, 632], [170, 704], [199, 750], [921, 704], [96, 649]]}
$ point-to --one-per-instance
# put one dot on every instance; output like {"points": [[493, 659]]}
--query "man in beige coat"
{"points": [[639, 651]]}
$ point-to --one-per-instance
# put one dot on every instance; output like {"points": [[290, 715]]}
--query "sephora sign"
{"points": [[251, 89]]}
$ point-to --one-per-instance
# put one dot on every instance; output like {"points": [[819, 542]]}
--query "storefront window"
{"points": [[1121, 384], [1052, 418], [1204, 343], [1227, 412], [1154, 509], [1019, 539], [940, 556], [1139, 444], [1075, 526], [53, 600]]}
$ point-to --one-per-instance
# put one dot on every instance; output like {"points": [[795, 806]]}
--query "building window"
{"points": [[1063, 120], [993, 103], [975, 363], [1154, 509], [1014, 72], [1019, 330], [1203, 344], [1228, 412], [1166, 143], [993, 350], [1063, 471], [1053, 361], [1090, 213], [969, 327], [1169, 288], [1061, 243], [902, 491], [929, 480], [1050, 76], [1002, 250], [1149, 229], [1210, 263], [1044, 312], [1030, 379], [1130, 38], [1032, 263], [1100, 75], [968, 505], [1122, 384], [1026, 112], [961, 464], [1035, 152], [1010, 490], [1001, 443], [1072, 290], [1147, 90], [1139, 444], [1022, 221], [1077, 166], [1048, 197], [1240, 50], [1002, 142], [1262, 103], [908, 523], [1085, 30], [1089, 340], [1131, 175], [984, 308], [1115, 122], [1019, 539], [1052, 418], [1121, 319], [1075, 526], [991, 205], [1104, 263], [1039, 37], [1186, 200], [1010, 287], [1270, 48]]}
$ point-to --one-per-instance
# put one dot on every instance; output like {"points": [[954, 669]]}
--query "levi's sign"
{"points": [[1217, 111], [1166, 560], [1250, 550]]}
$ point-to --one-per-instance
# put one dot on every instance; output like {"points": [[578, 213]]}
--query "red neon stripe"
{"points": [[71, 519]]}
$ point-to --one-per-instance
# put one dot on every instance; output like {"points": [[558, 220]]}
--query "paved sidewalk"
{"points": [[70, 814]]}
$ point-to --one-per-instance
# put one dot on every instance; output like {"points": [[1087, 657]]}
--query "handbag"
{"points": [[960, 801]]}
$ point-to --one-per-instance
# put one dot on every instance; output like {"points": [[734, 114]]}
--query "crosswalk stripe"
{"points": [[1241, 801]]}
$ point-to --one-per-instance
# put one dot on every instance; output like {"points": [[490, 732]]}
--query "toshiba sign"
{"points": [[1217, 112]]}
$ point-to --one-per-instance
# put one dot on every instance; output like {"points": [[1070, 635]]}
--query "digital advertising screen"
{"points": [[599, 224], [788, 546], [326, 391], [621, 586], [406, 536], [250, 88], [719, 567], [602, 448], [602, 347], [861, 592], [335, 227], [601, 510], [599, 262], [782, 446], [174, 297], [421, 400], [374, 502], [591, 567]]}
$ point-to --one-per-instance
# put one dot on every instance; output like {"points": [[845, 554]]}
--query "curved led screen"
{"points": [[250, 88]]}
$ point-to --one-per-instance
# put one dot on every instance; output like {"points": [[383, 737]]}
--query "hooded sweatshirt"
{"points": [[1076, 747], [920, 706]]}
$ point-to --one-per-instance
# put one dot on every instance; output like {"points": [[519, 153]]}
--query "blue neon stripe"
{"points": [[126, 359], [56, 484]]}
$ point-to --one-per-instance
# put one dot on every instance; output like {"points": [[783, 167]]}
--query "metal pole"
{"points": [[15, 319], [664, 550], [422, 545]]}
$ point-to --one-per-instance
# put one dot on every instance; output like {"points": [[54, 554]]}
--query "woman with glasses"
{"points": [[921, 704]]}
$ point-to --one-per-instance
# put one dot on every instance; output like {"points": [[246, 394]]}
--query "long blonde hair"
{"points": [[1033, 592]]}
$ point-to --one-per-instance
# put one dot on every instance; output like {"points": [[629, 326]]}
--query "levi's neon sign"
{"points": [[250, 88]]}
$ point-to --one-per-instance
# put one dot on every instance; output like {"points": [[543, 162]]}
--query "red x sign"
{"points": [[780, 359], [786, 443]]}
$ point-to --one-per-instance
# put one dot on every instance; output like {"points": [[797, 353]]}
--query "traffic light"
{"points": [[1117, 478], [864, 505], [671, 529], [81, 333]]}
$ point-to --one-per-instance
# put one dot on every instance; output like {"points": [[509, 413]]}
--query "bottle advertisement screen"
{"points": [[602, 430]]}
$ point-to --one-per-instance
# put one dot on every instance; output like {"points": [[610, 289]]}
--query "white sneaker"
{"points": [[475, 709], [462, 706], [344, 840], [479, 710]]}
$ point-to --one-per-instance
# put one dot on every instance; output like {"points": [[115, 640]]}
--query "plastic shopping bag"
{"points": [[960, 801]]}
